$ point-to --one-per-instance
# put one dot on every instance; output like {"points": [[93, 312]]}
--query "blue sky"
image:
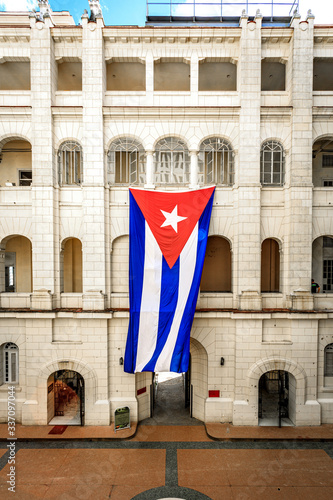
{"points": [[127, 12]]}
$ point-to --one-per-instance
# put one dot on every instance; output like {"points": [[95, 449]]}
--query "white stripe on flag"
{"points": [[150, 301], [188, 258]]}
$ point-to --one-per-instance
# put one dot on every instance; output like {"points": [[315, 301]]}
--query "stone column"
{"points": [[194, 169], [247, 202], [149, 169], [93, 87], [2, 271], [194, 78], [298, 201], [42, 64], [150, 76]]}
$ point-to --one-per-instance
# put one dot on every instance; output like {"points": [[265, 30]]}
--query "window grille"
{"points": [[172, 162], [327, 275], [327, 161], [10, 363], [328, 361], [126, 162], [70, 163], [272, 164], [216, 162]]}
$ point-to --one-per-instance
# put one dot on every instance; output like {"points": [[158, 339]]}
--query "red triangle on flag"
{"points": [[172, 216]]}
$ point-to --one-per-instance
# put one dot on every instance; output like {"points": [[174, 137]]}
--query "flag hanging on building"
{"points": [[168, 238]]}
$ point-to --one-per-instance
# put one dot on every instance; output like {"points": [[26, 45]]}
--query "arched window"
{"points": [[216, 274], [70, 163], [322, 163], [16, 163], [172, 162], [216, 162], [270, 266], [126, 162], [120, 264], [72, 266], [17, 265], [272, 164], [322, 263], [328, 361], [10, 363]]}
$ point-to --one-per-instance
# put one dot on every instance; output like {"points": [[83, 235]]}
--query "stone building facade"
{"points": [[87, 110]]}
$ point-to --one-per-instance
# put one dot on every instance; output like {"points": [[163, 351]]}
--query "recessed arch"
{"points": [[71, 266], [216, 161], [322, 263], [120, 264], [16, 162], [272, 163], [217, 270], [17, 265], [70, 163], [126, 161], [275, 363], [322, 162], [270, 265], [172, 161]]}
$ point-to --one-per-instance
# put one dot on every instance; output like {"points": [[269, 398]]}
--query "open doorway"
{"points": [[273, 404], [65, 400], [171, 400]]}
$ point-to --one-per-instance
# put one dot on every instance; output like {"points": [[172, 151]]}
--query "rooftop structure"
{"points": [[215, 12]]}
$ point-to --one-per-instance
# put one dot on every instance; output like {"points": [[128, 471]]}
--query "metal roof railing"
{"points": [[217, 10]]}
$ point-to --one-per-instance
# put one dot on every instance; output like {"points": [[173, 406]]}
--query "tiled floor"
{"points": [[179, 462]]}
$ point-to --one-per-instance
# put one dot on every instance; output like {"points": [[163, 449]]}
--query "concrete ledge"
{"points": [[228, 432]]}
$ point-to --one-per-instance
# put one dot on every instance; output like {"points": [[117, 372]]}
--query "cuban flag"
{"points": [[168, 238]]}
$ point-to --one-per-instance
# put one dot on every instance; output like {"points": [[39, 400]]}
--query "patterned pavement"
{"points": [[169, 462]]}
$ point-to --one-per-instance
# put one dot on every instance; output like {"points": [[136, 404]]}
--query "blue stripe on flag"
{"points": [[168, 303], [136, 269], [181, 353]]}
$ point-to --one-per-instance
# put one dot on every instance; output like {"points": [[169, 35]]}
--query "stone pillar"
{"points": [[42, 63], [93, 87], [149, 76], [149, 169], [298, 202], [194, 78], [194, 169], [2, 271], [247, 202]]}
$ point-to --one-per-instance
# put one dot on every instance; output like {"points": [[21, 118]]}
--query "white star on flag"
{"points": [[172, 219]]}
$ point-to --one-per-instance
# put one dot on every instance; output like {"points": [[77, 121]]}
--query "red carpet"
{"points": [[58, 429]]}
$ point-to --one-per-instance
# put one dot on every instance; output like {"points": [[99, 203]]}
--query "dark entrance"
{"points": [[171, 400], [273, 405], [68, 398]]}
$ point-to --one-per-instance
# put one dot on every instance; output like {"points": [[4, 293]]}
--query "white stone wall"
{"points": [[92, 341]]}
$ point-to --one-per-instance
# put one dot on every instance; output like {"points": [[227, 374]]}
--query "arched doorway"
{"points": [[175, 398], [275, 398], [16, 267], [65, 398]]}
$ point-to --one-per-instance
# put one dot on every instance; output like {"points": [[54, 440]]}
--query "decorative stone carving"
{"points": [[95, 9]]}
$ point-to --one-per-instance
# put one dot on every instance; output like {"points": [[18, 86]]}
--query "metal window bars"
{"points": [[10, 362], [126, 162], [328, 363], [70, 163], [172, 162], [216, 162], [217, 9], [272, 164]]}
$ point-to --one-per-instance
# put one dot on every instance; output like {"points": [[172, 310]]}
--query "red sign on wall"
{"points": [[214, 394]]}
